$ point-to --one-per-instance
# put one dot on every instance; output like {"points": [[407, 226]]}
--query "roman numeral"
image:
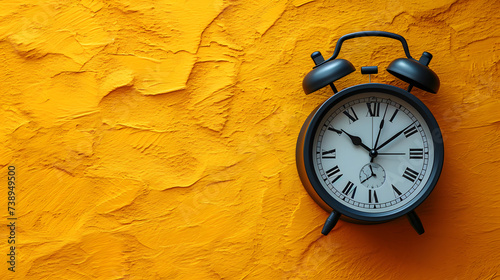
{"points": [[333, 173], [350, 189], [372, 196], [410, 174], [329, 154], [394, 115], [351, 115], [410, 131], [396, 191], [416, 153], [335, 130], [373, 109]]}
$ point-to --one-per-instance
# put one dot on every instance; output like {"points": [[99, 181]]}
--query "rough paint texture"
{"points": [[156, 139]]}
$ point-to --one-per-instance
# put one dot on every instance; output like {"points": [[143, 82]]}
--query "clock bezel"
{"points": [[306, 159]]}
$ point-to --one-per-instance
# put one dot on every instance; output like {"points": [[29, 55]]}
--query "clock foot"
{"points": [[330, 223], [415, 222]]}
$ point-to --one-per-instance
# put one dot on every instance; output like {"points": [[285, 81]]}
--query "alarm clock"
{"points": [[371, 152]]}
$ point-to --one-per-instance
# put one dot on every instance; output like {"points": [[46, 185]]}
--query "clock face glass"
{"points": [[373, 152]]}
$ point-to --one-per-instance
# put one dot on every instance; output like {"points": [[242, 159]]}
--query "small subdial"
{"points": [[372, 175]]}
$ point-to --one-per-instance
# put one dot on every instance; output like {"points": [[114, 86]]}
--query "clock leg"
{"points": [[330, 223], [415, 222]]}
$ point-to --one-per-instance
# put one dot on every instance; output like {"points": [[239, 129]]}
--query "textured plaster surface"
{"points": [[156, 139]]}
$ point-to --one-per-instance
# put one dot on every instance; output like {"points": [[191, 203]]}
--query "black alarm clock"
{"points": [[372, 152]]}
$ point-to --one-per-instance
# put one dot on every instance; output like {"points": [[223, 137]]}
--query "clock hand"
{"points": [[380, 130], [394, 137], [356, 141], [371, 169], [365, 179]]}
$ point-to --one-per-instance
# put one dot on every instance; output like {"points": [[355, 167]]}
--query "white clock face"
{"points": [[373, 152]]}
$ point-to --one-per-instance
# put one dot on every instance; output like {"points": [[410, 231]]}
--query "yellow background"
{"points": [[156, 139]]}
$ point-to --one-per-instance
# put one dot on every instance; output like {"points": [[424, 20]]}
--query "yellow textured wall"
{"points": [[156, 139]]}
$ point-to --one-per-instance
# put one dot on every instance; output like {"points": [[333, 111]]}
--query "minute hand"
{"points": [[394, 137]]}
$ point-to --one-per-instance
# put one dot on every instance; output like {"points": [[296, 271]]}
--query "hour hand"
{"points": [[357, 141]]}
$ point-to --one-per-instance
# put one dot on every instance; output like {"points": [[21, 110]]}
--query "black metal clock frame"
{"points": [[306, 156], [324, 73]]}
